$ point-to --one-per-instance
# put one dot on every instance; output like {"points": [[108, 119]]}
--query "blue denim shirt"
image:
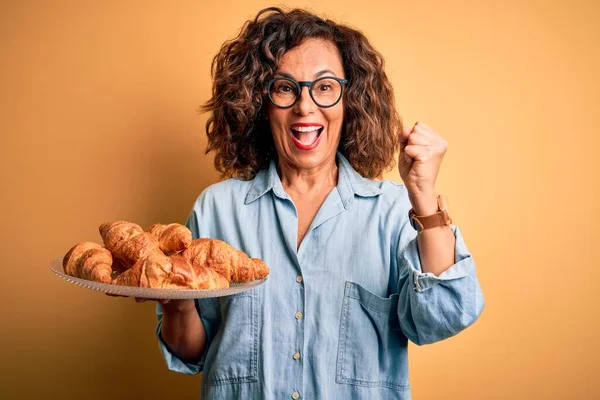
{"points": [[334, 317]]}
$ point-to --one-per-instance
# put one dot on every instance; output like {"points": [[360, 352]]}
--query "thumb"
{"points": [[403, 158], [404, 134]]}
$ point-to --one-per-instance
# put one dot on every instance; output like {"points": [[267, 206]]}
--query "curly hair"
{"points": [[237, 129]]}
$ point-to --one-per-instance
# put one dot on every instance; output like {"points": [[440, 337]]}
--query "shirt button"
{"points": [[295, 395], [296, 356], [298, 315], [299, 279]]}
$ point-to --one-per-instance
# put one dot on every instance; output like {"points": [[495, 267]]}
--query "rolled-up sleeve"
{"points": [[172, 361], [433, 308], [208, 311]]}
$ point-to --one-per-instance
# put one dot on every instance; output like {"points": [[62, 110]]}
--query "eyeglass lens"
{"points": [[325, 92]]}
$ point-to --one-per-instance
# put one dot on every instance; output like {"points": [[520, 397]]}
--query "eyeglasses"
{"points": [[326, 91]]}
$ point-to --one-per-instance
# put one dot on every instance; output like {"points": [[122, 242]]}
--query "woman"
{"points": [[303, 121]]}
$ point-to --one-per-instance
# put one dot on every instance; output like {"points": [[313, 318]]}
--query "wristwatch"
{"points": [[440, 218]]}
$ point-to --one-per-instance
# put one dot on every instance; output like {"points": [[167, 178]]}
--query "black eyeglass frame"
{"points": [[309, 85]]}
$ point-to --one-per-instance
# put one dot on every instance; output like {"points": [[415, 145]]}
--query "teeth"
{"points": [[306, 128], [306, 135]]}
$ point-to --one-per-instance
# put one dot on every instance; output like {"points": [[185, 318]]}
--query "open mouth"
{"points": [[306, 137]]}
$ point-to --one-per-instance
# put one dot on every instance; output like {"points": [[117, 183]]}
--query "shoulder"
{"points": [[390, 201], [382, 191], [387, 191], [227, 187], [215, 206], [223, 193], [389, 187]]}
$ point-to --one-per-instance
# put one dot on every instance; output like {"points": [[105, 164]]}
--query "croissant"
{"points": [[172, 238], [128, 242], [169, 272], [164, 256], [89, 260], [224, 259], [209, 278]]}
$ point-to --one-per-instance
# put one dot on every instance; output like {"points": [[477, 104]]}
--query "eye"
{"points": [[327, 86], [324, 87], [282, 87]]}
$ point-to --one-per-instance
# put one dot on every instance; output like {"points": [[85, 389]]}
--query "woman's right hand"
{"points": [[168, 305]]}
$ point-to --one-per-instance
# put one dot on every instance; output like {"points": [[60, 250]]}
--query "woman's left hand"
{"points": [[421, 154]]}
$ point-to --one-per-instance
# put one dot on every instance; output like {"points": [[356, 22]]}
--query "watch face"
{"points": [[416, 224]]}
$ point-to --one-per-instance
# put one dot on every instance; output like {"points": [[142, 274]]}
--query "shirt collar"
{"points": [[350, 183]]}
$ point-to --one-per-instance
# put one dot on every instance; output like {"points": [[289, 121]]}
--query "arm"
{"points": [[437, 281], [421, 154], [182, 330], [436, 245]]}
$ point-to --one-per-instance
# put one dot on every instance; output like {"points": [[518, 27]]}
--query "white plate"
{"points": [[150, 293]]}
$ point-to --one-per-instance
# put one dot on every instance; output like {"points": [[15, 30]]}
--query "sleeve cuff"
{"points": [[421, 281], [174, 363]]}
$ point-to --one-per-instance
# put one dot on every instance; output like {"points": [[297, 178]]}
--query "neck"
{"points": [[302, 180]]}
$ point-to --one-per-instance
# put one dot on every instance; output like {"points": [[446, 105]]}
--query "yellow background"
{"points": [[98, 119]]}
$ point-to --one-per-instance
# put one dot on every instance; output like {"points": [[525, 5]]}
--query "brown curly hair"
{"points": [[238, 131]]}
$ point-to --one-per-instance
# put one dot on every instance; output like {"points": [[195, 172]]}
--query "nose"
{"points": [[305, 104]]}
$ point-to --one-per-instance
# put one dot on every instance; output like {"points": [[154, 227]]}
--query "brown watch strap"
{"points": [[440, 218]]}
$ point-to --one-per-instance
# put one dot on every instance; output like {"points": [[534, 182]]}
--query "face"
{"points": [[306, 136]]}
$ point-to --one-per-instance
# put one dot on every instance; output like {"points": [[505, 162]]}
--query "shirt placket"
{"points": [[297, 355], [288, 220]]}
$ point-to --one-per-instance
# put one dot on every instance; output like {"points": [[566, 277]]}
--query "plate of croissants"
{"points": [[161, 262]]}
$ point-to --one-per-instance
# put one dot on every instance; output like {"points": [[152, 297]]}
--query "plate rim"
{"points": [[152, 293]]}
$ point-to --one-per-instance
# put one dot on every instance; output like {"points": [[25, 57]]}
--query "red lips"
{"points": [[298, 143]]}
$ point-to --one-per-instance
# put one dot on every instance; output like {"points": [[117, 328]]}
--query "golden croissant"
{"points": [[164, 256], [89, 260], [128, 242], [169, 272], [221, 257], [172, 238]]}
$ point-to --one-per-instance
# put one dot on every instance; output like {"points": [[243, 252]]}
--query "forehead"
{"points": [[311, 57]]}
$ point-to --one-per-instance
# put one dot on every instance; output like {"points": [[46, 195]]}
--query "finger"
{"points": [[403, 139], [114, 295], [422, 129], [406, 159], [143, 300], [421, 126], [414, 152], [404, 134], [420, 139], [426, 137]]}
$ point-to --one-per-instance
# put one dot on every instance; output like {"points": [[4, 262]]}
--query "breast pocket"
{"points": [[372, 349], [233, 353]]}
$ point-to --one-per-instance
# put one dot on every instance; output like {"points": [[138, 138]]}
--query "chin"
{"points": [[313, 158]]}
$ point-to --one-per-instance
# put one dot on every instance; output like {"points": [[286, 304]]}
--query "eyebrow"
{"points": [[317, 75]]}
